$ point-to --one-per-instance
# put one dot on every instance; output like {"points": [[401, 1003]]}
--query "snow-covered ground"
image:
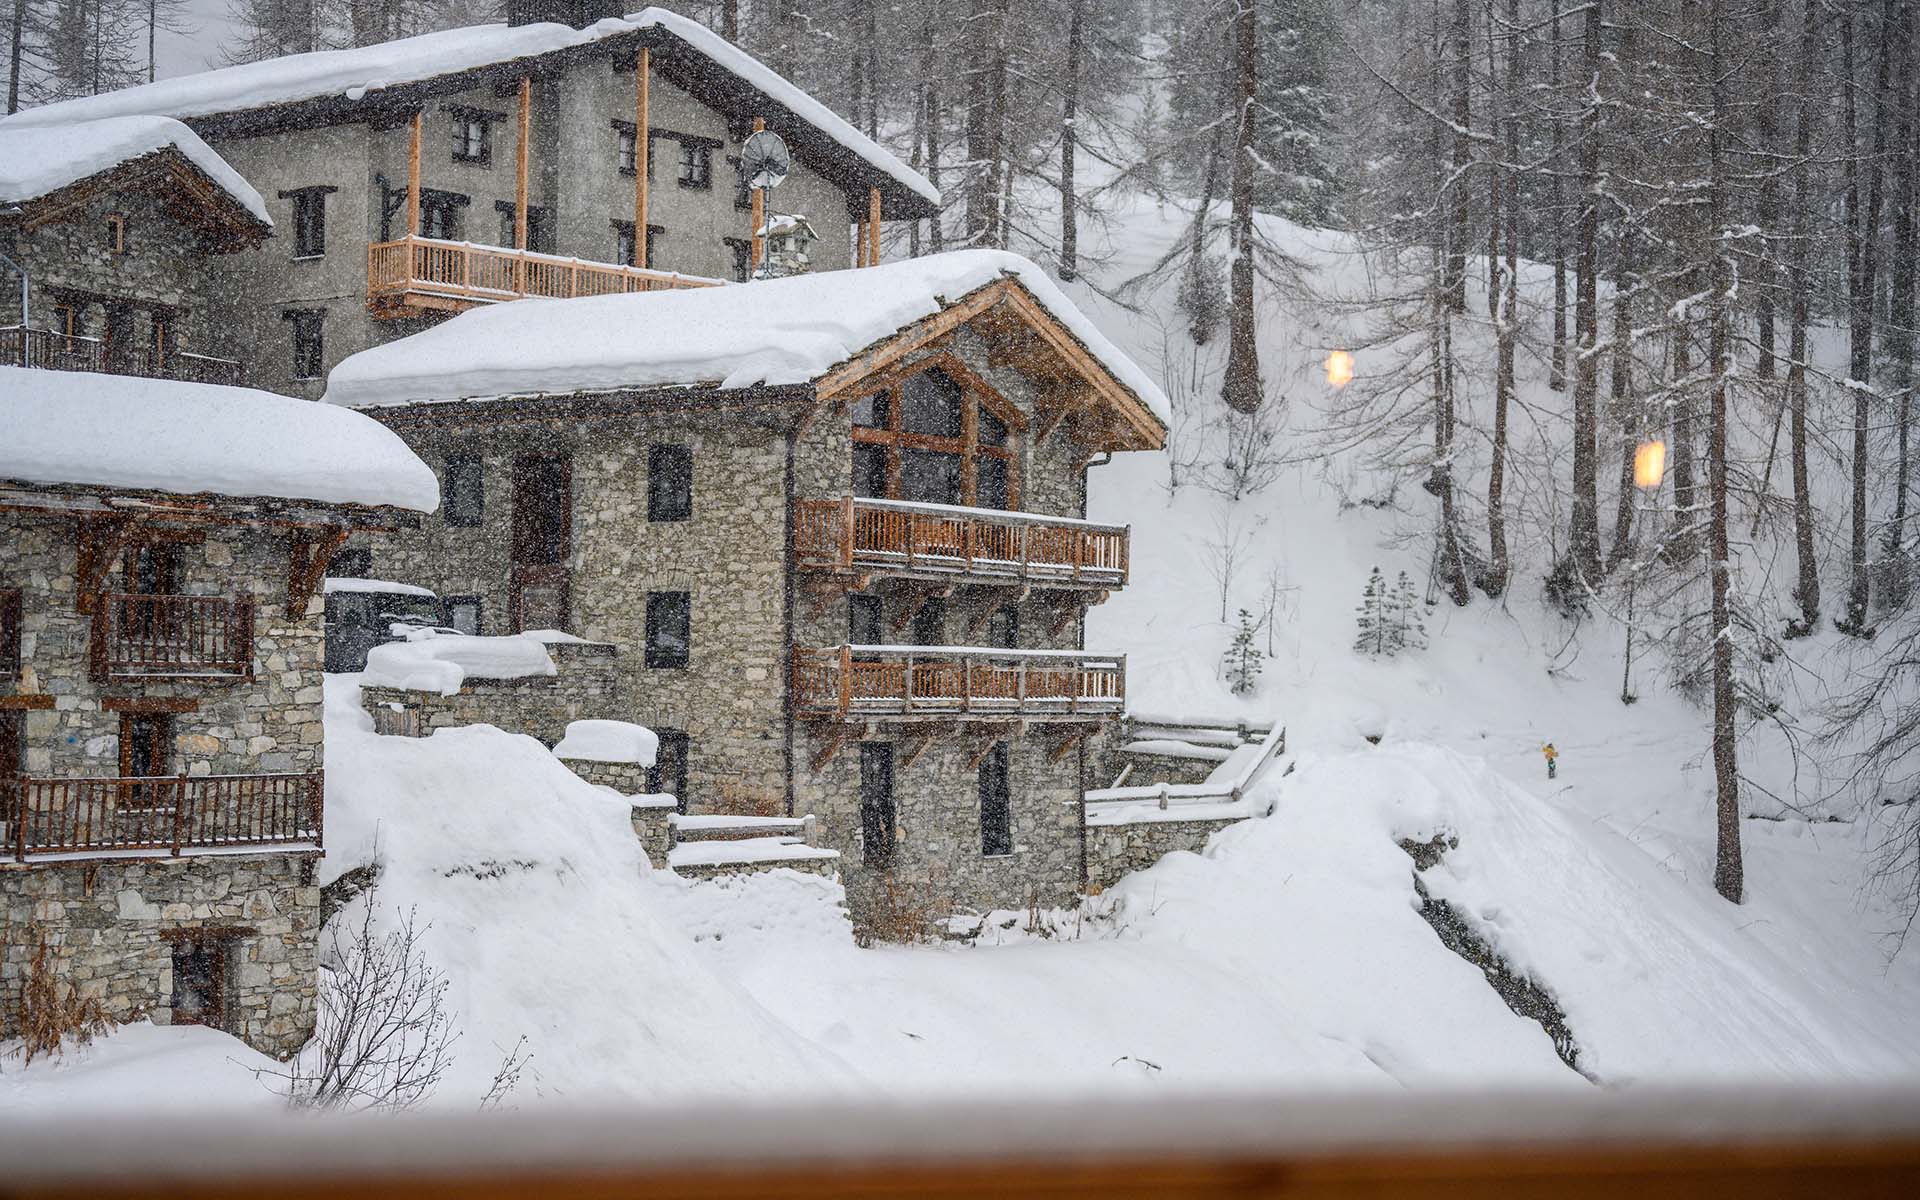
{"points": [[1291, 955]]}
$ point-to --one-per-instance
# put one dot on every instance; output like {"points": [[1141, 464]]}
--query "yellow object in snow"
{"points": [[1550, 752]]}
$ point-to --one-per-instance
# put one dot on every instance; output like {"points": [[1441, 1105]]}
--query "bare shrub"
{"points": [[736, 799], [901, 915], [385, 1037], [52, 1010]]}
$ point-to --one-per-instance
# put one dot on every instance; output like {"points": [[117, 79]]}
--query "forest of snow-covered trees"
{"points": [[1686, 196]]}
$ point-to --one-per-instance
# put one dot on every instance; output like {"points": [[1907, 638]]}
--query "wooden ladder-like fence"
{"points": [[174, 813], [852, 533], [172, 635], [856, 681]]}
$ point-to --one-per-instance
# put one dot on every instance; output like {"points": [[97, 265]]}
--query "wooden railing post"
{"points": [[848, 532], [243, 635], [317, 799], [100, 634], [179, 812], [20, 801], [906, 688], [846, 679]]}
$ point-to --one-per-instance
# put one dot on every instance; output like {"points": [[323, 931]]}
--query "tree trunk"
{"points": [[1584, 536], [1458, 193], [1728, 875], [1685, 541], [1807, 587], [1069, 111], [1900, 308], [1507, 311], [1557, 365], [16, 52], [1242, 389], [1622, 396]]}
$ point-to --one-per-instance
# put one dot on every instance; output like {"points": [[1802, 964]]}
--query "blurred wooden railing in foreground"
{"points": [[1637, 1144]]}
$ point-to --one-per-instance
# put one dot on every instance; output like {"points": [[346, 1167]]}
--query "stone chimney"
{"points": [[577, 13]]}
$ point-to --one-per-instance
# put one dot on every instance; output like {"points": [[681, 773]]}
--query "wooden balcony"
{"points": [[52, 351], [956, 682], [946, 542], [415, 276], [172, 636], [170, 814]]}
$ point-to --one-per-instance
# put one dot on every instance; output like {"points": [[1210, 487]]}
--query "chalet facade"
{"points": [[161, 646], [845, 556], [109, 232], [412, 180]]}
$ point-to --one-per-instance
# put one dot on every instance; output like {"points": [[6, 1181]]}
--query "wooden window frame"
{"points": [[12, 631], [305, 321], [742, 257], [539, 226], [462, 119], [894, 438], [309, 220], [437, 205], [117, 233], [742, 192], [217, 945], [656, 656], [623, 254], [664, 506], [163, 722]]}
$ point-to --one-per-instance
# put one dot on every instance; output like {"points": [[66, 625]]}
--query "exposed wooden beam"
{"points": [[918, 747], [891, 350], [759, 251], [308, 554], [413, 174], [642, 147], [873, 226], [150, 704], [1065, 745], [921, 597], [520, 164], [100, 543], [837, 737]]}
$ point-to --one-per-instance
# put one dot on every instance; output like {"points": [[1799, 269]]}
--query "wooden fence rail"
{"points": [[47, 350], [172, 635], [167, 812], [465, 271], [853, 533], [844, 681]]}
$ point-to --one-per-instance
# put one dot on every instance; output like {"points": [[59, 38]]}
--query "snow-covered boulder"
{"points": [[432, 661], [609, 742]]}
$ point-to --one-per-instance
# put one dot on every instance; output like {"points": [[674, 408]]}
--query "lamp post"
{"points": [[1649, 468]]}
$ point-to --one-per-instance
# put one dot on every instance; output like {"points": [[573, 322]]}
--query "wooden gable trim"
{"points": [[1070, 349], [853, 373]]}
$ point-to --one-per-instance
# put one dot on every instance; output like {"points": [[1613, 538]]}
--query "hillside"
{"points": [[1291, 955]]}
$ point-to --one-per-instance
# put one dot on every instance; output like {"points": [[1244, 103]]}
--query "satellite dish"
{"points": [[764, 160]]}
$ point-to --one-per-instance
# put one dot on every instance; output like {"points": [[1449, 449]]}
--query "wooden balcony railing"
{"points": [[52, 351], [443, 274], [172, 635], [945, 540], [933, 681], [174, 813]]}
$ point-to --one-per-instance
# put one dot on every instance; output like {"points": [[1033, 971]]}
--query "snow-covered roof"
{"points": [[385, 587], [780, 223], [431, 661], [609, 742], [353, 73], [35, 161], [190, 438], [770, 332]]}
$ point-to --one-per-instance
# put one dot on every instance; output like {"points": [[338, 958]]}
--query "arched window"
{"points": [[940, 436]]}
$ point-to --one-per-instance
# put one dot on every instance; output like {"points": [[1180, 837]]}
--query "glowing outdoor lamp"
{"points": [[1650, 464], [1339, 368]]}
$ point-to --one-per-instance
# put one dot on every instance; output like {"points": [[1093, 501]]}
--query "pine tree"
{"points": [[1409, 627], [1242, 663], [1373, 619]]}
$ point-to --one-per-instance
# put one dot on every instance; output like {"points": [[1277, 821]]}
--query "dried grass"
{"points": [[51, 1010]]}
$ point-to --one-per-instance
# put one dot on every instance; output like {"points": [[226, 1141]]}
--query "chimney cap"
{"points": [[577, 13]]}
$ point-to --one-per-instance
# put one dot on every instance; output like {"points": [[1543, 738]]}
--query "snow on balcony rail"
{"points": [[907, 681], [854, 533]]}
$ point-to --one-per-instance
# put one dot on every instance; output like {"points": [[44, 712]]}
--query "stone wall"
{"points": [[164, 267], [270, 722], [653, 825], [1115, 850], [587, 687], [111, 926]]}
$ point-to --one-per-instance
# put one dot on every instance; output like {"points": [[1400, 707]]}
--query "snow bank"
{"points": [[609, 741], [35, 161], [537, 904], [354, 72], [770, 332], [190, 438], [432, 661], [384, 587], [730, 851]]}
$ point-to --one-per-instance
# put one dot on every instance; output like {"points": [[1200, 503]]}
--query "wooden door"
{"points": [[539, 590], [118, 349], [12, 730], [200, 981], [146, 744]]}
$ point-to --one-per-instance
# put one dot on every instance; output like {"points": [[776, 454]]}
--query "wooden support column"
{"points": [[413, 177], [520, 164], [873, 226], [759, 254], [642, 147]]}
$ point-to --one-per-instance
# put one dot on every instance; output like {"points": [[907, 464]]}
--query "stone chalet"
{"points": [[835, 523], [161, 737], [417, 178]]}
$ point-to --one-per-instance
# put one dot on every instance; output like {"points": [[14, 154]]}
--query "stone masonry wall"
{"points": [[729, 556], [268, 723], [588, 687], [109, 927], [163, 266], [1116, 850]]}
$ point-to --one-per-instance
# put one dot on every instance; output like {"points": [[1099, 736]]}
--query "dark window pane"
{"points": [[869, 471], [199, 982], [669, 628], [669, 483], [463, 499], [993, 431], [996, 803], [1003, 628], [623, 243], [930, 477], [864, 626], [929, 624], [463, 613], [668, 775], [990, 483], [871, 411], [876, 802], [309, 222], [629, 144], [932, 405], [354, 562]]}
